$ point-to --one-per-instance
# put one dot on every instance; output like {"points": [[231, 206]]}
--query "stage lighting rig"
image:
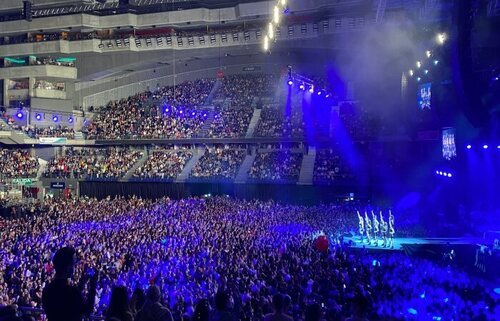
{"points": [[280, 8], [304, 83]]}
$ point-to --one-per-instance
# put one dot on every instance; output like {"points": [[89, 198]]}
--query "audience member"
{"points": [[119, 305], [62, 301], [153, 310]]}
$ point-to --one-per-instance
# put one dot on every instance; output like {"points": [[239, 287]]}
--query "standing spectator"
{"points": [[278, 307], [153, 310], [62, 301], [137, 301], [119, 306], [202, 311], [222, 312], [313, 313]]}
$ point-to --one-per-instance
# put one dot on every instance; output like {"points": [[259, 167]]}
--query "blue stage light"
{"points": [[412, 311], [55, 119], [290, 82], [449, 175], [469, 146], [418, 79], [319, 93], [193, 113], [70, 120], [311, 89], [302, 87], [38, 116], [440, 173], [437, 172], [485, 146], [498, 146], [20, 115], [445, 174]]}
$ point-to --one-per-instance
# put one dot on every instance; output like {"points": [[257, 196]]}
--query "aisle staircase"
{"points": [[134, 167], [208, 122], [253, 123], [42, 165], [214, 90], [242, 175], [186, 171], [307, 168]]}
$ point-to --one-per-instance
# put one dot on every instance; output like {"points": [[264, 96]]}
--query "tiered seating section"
{"points": [[101, 164], [169, 112], [51, 131], [17, 163], [330, 167], [218, 163], [274, 123], [276, 166], [163, 164], [188, 111]]}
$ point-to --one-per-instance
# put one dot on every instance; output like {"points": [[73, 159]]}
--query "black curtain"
{"points": [[293, 194]]}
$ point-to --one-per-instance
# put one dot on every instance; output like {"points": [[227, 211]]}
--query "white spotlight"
{"points": [[266, 43], [428, 53], [271, 31], [441, 38], [410, 73], [276, 15], [419, 64], [283, 3]]}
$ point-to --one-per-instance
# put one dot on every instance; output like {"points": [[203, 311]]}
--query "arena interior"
{"points": [[219, 160]]}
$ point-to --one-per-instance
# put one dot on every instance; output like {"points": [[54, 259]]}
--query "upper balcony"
{"points": [[32, 66], [166, 38]]}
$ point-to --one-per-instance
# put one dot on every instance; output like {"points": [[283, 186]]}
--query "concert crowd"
{"points": [[225, 259], [17, 163]]}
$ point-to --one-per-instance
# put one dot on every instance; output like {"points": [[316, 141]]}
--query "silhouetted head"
{"points": [[221, 300], [153, 294], [64, 262]]}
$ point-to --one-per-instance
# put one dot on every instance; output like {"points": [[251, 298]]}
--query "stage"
{"points": [[400, 242]]}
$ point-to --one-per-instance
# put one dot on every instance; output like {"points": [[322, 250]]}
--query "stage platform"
{"points": [[399, 242]]}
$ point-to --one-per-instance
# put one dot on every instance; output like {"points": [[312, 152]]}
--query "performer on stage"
{"points": [[361, 226], [383, 229], [391, 230], [368, 224], [375, 228]]}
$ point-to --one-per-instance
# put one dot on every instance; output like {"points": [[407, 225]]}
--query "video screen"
{"points": [[449, 147], [424, 96]]}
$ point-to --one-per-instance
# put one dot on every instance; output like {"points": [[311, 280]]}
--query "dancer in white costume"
{"points": [[383, 229], [361, 226], [368, 225], [376, 228], [391, 230]]}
